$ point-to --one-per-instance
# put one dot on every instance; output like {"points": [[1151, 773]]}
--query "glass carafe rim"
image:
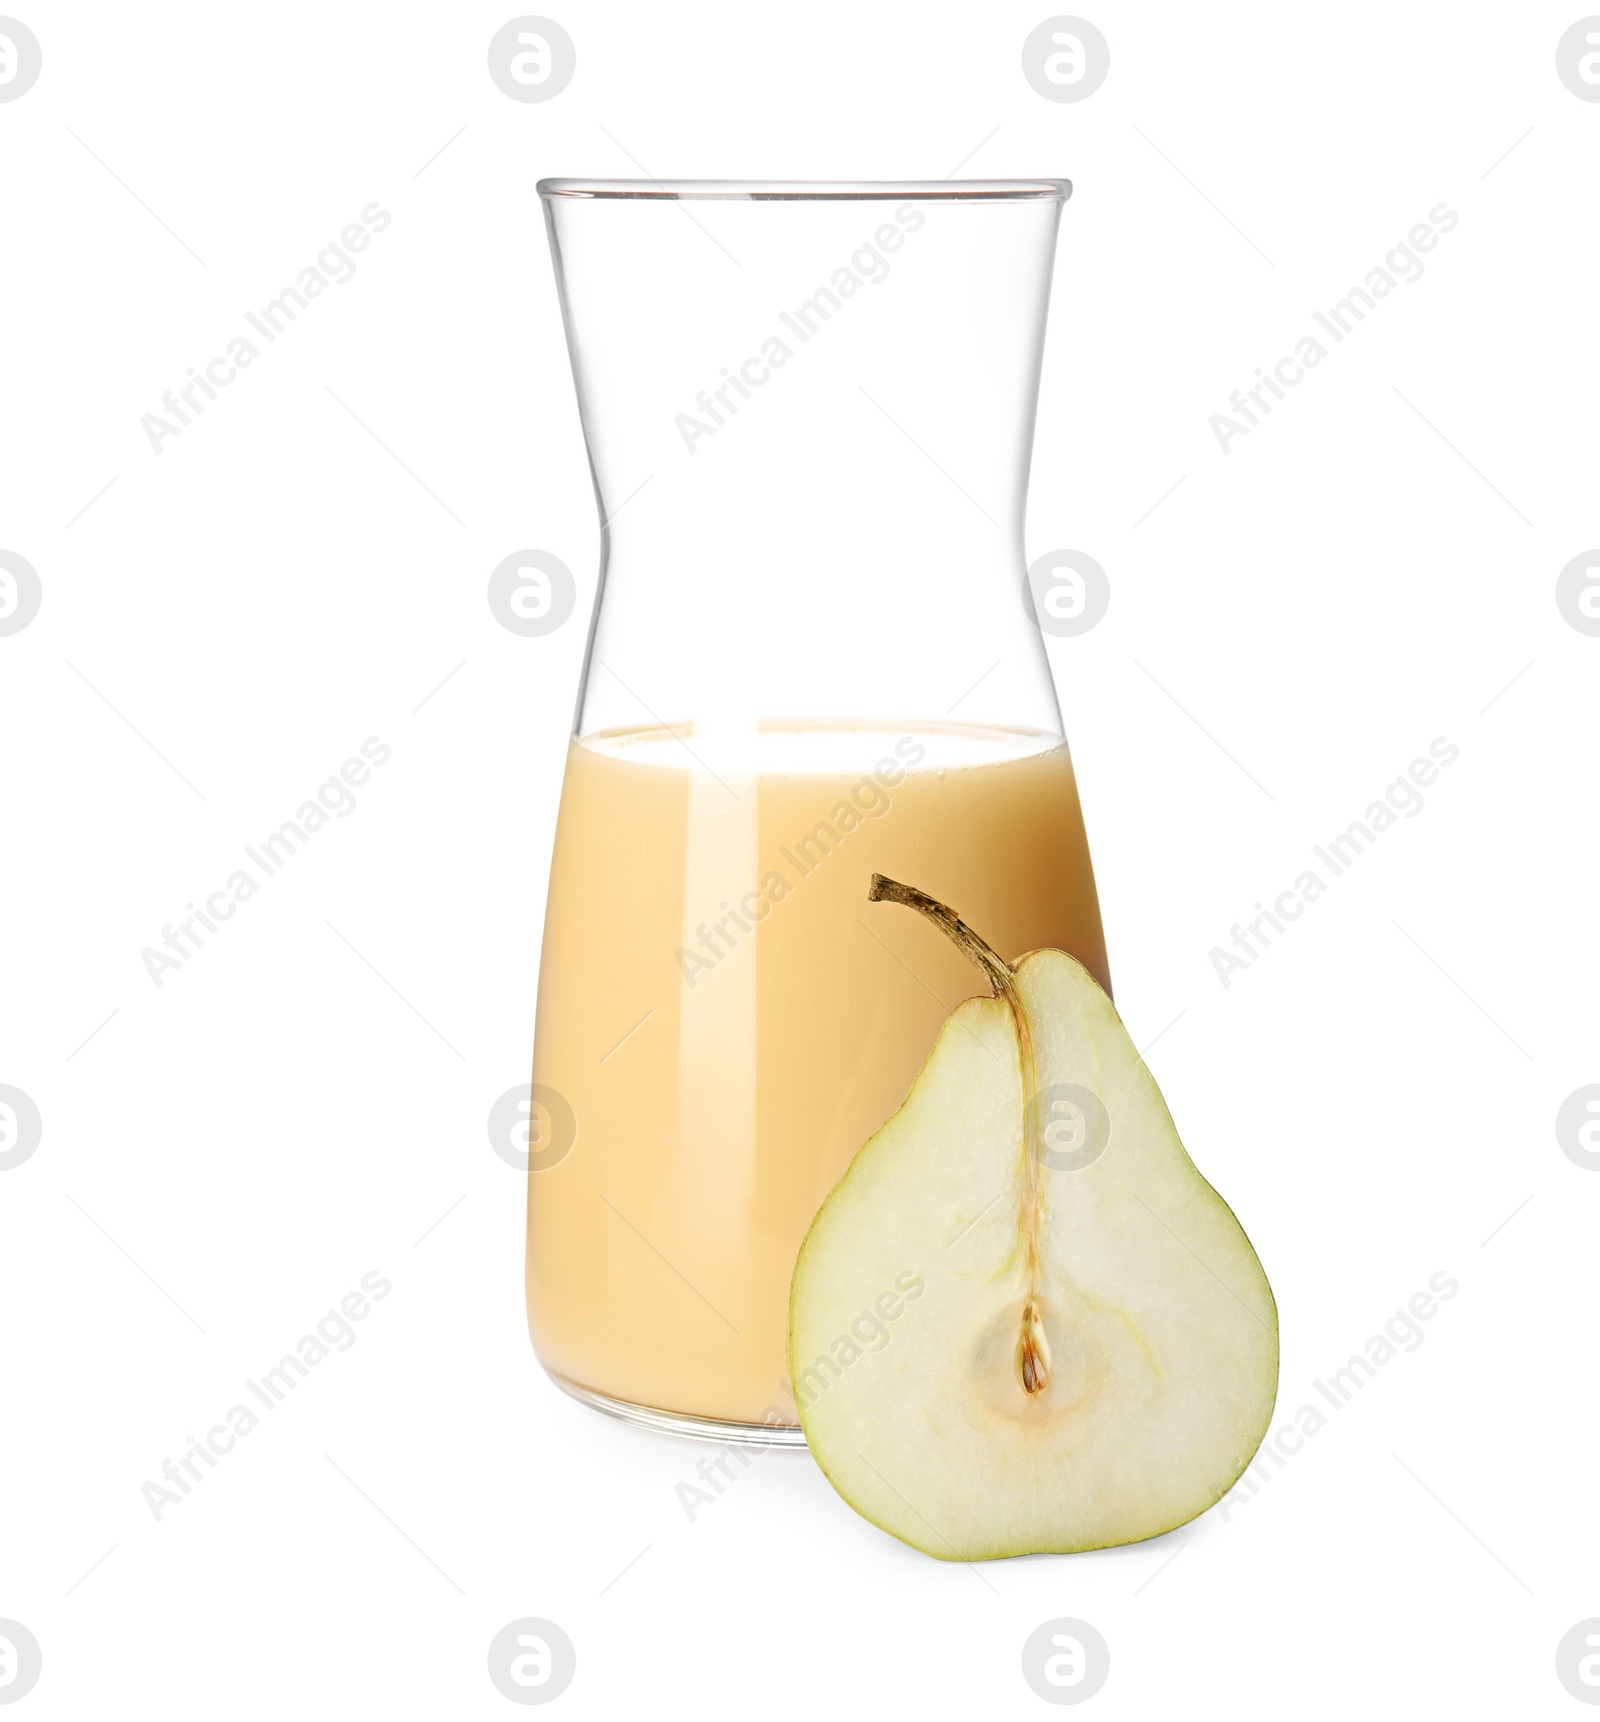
{"points": [[816, 191]]}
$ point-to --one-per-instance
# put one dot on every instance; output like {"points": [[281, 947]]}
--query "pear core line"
{"points": [[1033, 1350]]}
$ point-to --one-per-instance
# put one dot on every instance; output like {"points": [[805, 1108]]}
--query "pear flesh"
{"points": [[1022, 1322]]}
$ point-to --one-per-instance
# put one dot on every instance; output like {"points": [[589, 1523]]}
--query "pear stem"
{"points": [[1032, 1350]]}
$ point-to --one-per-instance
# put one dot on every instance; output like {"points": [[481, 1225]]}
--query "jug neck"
{"points": [[809, 415]]}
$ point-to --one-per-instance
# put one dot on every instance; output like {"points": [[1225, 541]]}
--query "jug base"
{"points": [[723, 1432]]}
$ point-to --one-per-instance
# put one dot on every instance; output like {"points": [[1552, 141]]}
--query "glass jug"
{"points": [[809, 415]]}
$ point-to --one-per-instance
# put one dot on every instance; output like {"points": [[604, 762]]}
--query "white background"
{"points": [[230, 619]]}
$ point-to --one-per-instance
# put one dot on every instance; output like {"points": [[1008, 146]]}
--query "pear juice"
{"points": [[722, 1022]]}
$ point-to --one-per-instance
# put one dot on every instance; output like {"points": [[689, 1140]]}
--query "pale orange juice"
{"points": [[729, 1018]]}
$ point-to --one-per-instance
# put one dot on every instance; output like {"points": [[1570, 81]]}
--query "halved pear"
{"points": [[1022, 1322]]}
